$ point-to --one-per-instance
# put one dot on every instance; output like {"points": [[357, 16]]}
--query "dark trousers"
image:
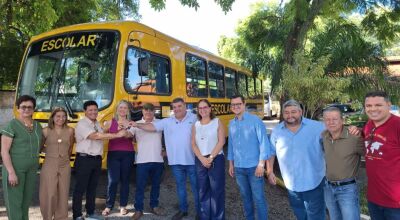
{"points": [[87, 173], [211, 183], [144, 172], [378, 212], [119, 167]]}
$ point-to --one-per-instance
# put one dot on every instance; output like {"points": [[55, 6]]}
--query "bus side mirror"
{"points": [[143, 66]]}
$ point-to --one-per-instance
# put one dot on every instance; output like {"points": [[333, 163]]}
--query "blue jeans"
{"points": [[378, 212], [252, 191], [308, 205], [211, 183], [180, 172], [342, 201], [144, 172], [119, 167]]}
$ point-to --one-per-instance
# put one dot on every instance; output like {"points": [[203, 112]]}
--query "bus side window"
{"points": [[147, 74], [241, 83], [216, 80], [230, 80], [196, 78]]}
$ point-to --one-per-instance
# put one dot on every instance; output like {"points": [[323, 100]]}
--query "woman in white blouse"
{"points": [[208, 139]]}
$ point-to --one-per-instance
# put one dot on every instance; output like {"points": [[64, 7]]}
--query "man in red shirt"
{"points": [[382, 142]]}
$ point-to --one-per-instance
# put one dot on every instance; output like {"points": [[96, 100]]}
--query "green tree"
{"points": [[320, 28], [305, 81], [21, 19]]}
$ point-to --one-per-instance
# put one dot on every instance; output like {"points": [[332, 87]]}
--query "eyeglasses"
{"points": [[203, 108], [96, 128], [233, 105], [26, 107]]}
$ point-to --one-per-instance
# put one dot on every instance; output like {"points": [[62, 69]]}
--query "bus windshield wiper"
{"points": [[66, 102]]}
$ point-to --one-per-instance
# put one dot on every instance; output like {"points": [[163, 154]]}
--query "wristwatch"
{"points": [[261, 165], [211, 157]]}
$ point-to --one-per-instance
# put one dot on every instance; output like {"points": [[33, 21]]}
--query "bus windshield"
{"points": [[67, 70]]}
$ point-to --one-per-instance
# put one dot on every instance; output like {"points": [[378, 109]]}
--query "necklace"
{"points": [[59, 140], [28, 126]]}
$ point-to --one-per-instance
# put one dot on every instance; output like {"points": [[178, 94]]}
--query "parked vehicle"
{"points": [[394, 109], [271, 108]]}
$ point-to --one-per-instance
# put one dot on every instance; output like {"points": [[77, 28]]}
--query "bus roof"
{"points": [[128, 26]]}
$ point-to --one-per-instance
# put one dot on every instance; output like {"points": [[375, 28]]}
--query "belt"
{"points": [[88, 155], [338, 183]]}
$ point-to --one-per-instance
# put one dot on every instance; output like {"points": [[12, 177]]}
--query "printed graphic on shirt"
{"points": [[373, 149]]}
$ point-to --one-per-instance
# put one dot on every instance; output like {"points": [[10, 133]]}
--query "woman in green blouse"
{"points": [[20, 141]]}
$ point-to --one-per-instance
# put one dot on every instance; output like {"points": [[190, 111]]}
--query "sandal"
{"points": [[106, 212], [123, 211]]}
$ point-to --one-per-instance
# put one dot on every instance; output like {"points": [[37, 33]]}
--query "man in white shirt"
{"points": [[89, 150], [177, 132], [149, 163]]}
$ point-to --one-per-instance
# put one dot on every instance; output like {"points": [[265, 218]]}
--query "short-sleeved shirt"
{"points": [[300, 154], [83, 129], [149, 145], [342, 155], [382, 160], [177, 136], [25, 144], [248, 141]]}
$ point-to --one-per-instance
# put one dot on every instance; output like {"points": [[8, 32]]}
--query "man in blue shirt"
{"points": [[248, 148], [177, 132], [296, 142]]}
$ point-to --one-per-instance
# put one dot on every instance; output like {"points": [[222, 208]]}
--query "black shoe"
{"points": [[197, 217], [179, 215]]}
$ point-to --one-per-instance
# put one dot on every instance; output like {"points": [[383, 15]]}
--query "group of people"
{"points": [[318, 161]]}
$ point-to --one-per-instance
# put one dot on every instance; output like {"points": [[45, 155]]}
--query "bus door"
{"points": [[147, 76]]}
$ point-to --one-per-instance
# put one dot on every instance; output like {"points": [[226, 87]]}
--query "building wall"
{"points": [[6, 106]]}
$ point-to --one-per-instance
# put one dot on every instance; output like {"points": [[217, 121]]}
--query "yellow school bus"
{"points": [[110, 61]]}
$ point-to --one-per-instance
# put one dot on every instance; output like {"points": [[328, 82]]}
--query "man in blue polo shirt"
{"points": [[296, 142], [248, 148], [177, 132]]}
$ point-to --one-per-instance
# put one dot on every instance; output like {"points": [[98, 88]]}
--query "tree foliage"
{"points": [[21, 19], [226, 5], [305, 81], [352, 33]]}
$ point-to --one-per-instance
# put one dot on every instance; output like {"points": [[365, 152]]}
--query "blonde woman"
{"points": [[120, 159], [208, 139], [56, 171]]}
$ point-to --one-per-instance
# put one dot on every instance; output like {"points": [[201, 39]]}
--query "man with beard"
{"points": [[296, 142]]}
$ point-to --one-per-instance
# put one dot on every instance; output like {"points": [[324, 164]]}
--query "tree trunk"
{"points": [[295, 39]]}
